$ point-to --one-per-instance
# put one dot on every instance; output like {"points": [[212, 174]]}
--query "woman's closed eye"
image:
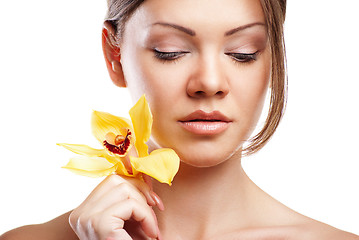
{"points": [[243, 57], [174, 55], [169, 56]]}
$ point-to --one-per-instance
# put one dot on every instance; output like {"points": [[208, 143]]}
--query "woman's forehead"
{"points": [[200, 13]]}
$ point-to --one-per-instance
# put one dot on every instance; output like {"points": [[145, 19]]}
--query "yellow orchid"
{"points": [[121, 140]]}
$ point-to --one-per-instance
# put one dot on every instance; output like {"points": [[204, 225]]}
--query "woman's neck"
{"points": [[201, 199]]}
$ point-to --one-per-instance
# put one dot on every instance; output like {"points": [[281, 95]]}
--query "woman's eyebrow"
{"points": [[241, 28], [178, 27], [193, 33]]}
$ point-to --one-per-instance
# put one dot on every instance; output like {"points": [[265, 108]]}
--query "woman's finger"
{"points": [[148, 180], [123, 211], [117, 194], [114, 180]]}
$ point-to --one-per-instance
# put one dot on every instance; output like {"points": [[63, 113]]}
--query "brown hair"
{"points": [[119, 11], [274, 12]]}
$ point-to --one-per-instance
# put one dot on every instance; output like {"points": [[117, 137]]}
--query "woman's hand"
{"points": [[119, 208]]}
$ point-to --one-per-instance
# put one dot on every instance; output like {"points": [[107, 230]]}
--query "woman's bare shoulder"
{"points": [[309, 231], [317, 231], [56, 229], [292, 225]]}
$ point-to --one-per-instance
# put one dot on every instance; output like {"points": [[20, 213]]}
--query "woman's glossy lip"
{"points": [[205, 127], [201, 115], [202, 123]]}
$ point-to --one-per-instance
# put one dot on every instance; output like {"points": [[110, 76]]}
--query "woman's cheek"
{"points": [[249, 92]]}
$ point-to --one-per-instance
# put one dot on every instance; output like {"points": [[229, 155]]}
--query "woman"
{"points": [[205, 68]]}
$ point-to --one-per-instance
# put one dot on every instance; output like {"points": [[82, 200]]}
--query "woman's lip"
{"points": [[202, 123], [201, 115], [205, 127]]}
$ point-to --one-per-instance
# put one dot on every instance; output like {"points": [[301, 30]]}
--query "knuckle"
{"points": [[133, 203], [73, 218], [114, 179], [130, 191], [83, 221], [124, 189], [138, 204], [80, 220]]}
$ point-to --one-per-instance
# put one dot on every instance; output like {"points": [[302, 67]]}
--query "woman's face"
{"points": [[204, 66]]}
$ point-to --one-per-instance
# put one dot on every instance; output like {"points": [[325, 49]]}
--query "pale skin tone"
{"points": [[184, 60]]}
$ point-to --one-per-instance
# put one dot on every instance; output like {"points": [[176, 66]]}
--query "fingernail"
{"points": [[158, 201], [151, 201]]}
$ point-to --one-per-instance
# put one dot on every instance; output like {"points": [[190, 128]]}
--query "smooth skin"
{"points": [[186, 60]]}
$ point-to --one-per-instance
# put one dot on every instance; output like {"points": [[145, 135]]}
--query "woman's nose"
{"points": [[208, 80]]}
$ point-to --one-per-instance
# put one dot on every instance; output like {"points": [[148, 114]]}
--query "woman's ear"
{"points": [[112, 56]]}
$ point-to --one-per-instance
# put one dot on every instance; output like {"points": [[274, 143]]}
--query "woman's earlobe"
{"points": [[112, 56]]}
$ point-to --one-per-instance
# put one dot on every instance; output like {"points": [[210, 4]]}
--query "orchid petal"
{"points": [[83, 149], [90, 166], [103, 123], [162, 164], [89, 151], [142, 124]]}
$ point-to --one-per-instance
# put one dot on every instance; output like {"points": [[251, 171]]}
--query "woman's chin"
{"points": [[205, 159]]}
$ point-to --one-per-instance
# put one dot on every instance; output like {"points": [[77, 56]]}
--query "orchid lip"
{"points": [[201, 116]]}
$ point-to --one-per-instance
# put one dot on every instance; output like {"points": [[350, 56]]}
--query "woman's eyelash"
{"points": [[168, 56], [238, 57], [243, 57]]}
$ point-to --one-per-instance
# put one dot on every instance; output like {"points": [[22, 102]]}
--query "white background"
{"points": [[52, 75]]}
